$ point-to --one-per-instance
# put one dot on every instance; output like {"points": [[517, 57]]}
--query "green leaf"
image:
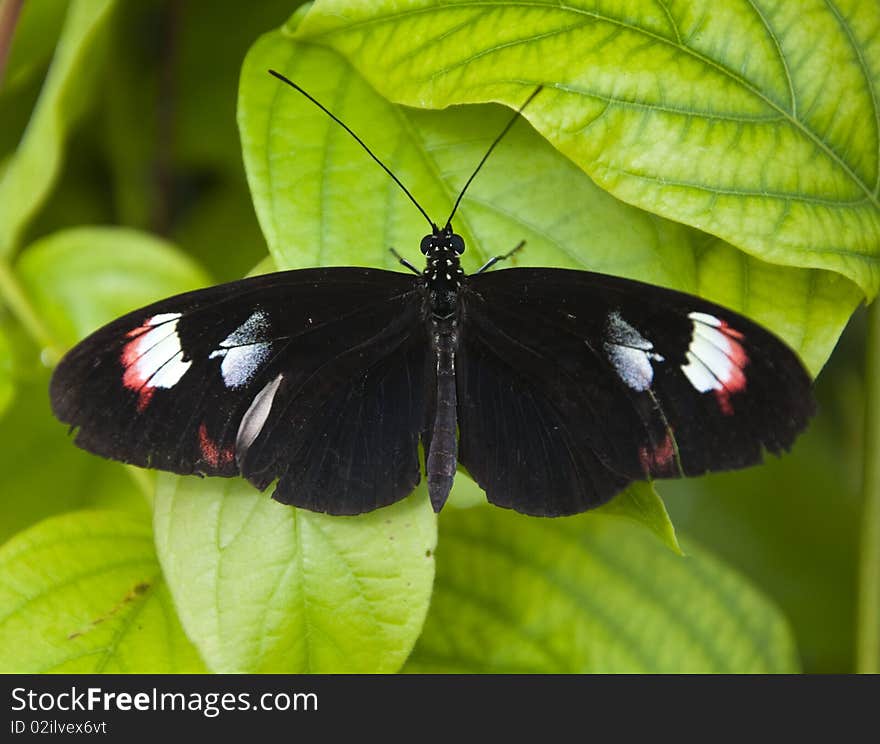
{"points": [[641, 503], [81, 278], [589, 594], [26, 180], [755, 121], [263, 587], [7, 383], [44, 473], [83, 593], [320, 200]]}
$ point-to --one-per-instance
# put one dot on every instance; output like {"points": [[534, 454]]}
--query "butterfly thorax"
{"points": [[443, 273]]}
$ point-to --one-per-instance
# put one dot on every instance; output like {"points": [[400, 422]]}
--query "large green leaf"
{"points": [[30, 173], [588, 594], [81, 278], [262, 587], [756, 121], [83, 593], [321, 200]]}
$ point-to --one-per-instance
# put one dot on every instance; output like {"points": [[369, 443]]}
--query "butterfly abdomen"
{"points": [[443, 450]]}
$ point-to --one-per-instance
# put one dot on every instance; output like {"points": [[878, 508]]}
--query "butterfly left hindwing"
{"points": [[627, 381], [314, 377]]}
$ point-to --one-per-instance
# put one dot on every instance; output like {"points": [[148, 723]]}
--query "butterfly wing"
{"points": [[573, 384], [313, 377]]}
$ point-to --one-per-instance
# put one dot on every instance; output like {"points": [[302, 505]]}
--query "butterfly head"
{"points": [[442, 241]]}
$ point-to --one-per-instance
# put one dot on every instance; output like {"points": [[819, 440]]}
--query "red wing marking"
{"points": [[660, 459], [211, 452], [735, 379]]}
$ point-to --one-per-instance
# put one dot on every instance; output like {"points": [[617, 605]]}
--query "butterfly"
{"points": [[554, 388]]}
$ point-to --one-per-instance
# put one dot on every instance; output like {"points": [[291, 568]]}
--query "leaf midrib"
{"points": [[795, 123]]}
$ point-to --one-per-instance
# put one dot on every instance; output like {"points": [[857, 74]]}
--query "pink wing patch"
{"points": [[659, 460], [734, 380], [211, 452]]}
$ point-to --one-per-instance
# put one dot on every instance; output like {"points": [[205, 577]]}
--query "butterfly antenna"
{"points": [[492, 147], [358, 140]]}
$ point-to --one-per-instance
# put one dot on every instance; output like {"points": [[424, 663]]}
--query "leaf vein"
{"points": [[737, 78], [869, 83], [726, 191], [778, 45]]}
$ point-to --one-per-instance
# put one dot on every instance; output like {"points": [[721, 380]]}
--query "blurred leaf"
{"points": [[29, 175], [263, 587], [222, 232], [720, 115], [80, 195], [77, 280], [320, 200], [589, 594], [170, 133], [81, 278], [792, 526], [83, 593], [36, 33], [7, 383], [44, 473], [207, 82], [131, 110]]}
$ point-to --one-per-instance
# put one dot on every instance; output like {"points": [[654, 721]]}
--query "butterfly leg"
{"points": [[404, 262], [495, 259]]}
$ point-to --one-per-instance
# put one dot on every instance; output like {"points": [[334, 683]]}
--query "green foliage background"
{"points": [[724, 148]]}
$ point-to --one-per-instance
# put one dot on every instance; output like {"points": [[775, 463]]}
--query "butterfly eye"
{"points": [[426, 244], [458, 244]]}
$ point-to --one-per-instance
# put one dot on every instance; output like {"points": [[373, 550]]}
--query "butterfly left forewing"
{"points": [[661, 383], [192, 384]]}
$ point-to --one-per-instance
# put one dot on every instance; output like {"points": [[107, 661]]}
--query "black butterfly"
{"points": [[554, 388]]}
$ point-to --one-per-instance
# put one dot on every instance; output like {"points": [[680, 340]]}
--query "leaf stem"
{"points": [[9, 12], [14, 297], [868, 618]]}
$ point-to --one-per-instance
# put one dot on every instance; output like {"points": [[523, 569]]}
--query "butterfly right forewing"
{"points": [[644, 381]]}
